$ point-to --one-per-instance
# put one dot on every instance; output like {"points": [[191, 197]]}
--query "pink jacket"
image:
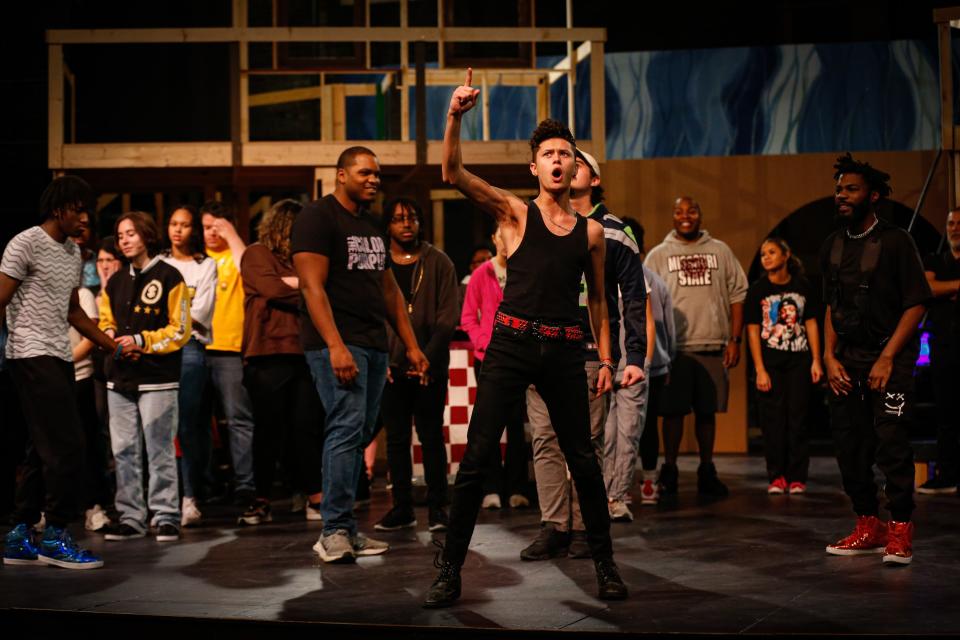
{"points": [[480, 305]]}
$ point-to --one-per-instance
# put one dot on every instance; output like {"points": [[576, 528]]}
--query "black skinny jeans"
{"points": [[406, 401], [783, 417], [511, 364], [870, 426], [509, 469], [96, 474], [287, 416]]}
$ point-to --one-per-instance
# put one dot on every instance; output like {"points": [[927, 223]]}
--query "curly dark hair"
{"points": [[876, 180], [547, 130]]}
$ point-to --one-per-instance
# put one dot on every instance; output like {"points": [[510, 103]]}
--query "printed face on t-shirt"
{"points": [[781, 325]]}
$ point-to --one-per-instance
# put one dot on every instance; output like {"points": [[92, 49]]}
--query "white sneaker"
{"points": [[491, 501], [519, 501], [189, 513], [619, 511], [313, 513], [336, 548], [95, 519]]}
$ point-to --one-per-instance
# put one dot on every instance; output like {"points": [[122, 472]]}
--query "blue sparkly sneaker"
{"points": [[58, 549], [18, 547]]}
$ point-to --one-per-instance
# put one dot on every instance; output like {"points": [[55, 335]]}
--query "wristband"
{"points": [[118, 352], [607, 365]]}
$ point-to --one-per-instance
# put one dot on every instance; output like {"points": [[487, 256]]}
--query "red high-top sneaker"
{"points": [[869, 536], [899, 543]]}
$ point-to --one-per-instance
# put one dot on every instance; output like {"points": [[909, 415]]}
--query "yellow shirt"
{"points": [[228, 309]]}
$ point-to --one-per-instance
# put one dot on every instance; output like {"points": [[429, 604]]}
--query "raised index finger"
{"points": [[469, 77]]}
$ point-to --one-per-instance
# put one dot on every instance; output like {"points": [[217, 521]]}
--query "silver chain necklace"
{"points": [[865, 233]]}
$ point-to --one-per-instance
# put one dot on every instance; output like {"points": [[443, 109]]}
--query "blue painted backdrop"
{"points": [[880, 96]]}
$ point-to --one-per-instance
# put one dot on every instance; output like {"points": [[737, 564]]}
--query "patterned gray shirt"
{"points": [[48, 272]]}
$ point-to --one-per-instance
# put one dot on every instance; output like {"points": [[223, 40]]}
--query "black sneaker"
{"points": [[549, 543], [445, 589], [938, 486], [438, 519], [167, 533], [579, 548], [257, 513], [667, 479], [397, 518], [609, 583], [708, 484], [122, 531]]}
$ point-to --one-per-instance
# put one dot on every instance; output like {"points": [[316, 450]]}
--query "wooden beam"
{"points": [[543, 100], [505, 77], [325, 34], [598, 116], [947, 131], [947, 14], [339, 107], [55, 107], [323, 153], [308, 93], [437, 226], [453, 194], [327, 179], [485, 105], [147, 154]]}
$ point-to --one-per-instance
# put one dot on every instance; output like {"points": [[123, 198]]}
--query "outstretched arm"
{"points": [[497, 202]]}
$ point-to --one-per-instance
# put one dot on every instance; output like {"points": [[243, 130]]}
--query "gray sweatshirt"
{"points": [[704, 278]]}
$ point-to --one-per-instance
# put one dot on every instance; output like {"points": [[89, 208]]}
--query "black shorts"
{"points": [[698, 382]]}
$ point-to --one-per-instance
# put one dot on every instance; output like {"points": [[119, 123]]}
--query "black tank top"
{"points": [[544, 273]]}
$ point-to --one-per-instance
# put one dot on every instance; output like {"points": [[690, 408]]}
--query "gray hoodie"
{"points": [[704, 279]]}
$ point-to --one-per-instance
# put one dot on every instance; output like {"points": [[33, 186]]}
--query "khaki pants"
{"points": [[559, 504]]}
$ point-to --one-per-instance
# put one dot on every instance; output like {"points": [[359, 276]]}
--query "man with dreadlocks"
{"points": [[875, 292]]}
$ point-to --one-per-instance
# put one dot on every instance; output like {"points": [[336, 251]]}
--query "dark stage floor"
{"points": [[748, 564]]}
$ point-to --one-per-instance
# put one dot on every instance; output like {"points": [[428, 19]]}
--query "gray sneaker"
{"points": [[335, 548], [364, 546]]}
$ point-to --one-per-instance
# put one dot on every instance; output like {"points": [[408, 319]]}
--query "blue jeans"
{"points": [[137, 419], [226, 370], [351, 415], [193, 432]]}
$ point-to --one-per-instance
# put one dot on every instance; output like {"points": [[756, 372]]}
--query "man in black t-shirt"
{"points": [[875, 291], [943, 275], [348, 292]]}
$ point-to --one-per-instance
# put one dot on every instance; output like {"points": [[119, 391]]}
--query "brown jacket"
{"points": [[270, 307]]}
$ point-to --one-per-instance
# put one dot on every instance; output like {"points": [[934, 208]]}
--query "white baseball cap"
{"points": [[591, 161]]}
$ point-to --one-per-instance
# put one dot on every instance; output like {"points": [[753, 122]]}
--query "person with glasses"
{"points": [[428, 282]]}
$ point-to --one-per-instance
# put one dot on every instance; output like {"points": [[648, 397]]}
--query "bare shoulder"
{"points": [[595, 233]]}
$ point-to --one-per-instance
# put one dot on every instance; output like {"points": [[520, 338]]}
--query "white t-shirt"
{"points": [[48, 272], [83, 369], [201, 281]]}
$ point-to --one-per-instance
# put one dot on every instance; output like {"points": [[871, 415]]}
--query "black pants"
{"points": [[650, 438], [946, 373], [13, 441], [52, 477], [509, 470], [404, 401], [511, 364], [287, 416], [96, 488], [783, 416], [869, 427]]}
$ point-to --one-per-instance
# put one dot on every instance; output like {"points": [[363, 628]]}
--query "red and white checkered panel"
{"points": [[461, 396]]}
